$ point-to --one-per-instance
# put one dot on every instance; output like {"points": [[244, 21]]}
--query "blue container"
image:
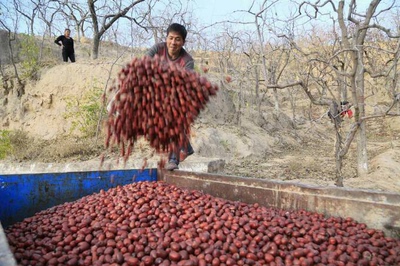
{"points": [[23, 195]]}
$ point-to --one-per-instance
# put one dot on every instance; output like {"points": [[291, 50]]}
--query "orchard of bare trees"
{"points": [[328, 52]]}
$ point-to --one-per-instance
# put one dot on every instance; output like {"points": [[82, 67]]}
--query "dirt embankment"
{"points": [[268, 147]]}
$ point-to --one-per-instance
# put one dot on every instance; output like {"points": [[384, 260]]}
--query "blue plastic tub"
{"points": [[22, 195]]}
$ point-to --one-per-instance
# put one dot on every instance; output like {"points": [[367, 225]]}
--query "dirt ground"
{"points": [[271, 149]]}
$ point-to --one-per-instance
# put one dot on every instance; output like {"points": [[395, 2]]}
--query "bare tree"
{"points": [[347, 65], [29, 10], [79, 15], [108, 15], [260, 21], [346, 59], [19, 86], [161, 14]]}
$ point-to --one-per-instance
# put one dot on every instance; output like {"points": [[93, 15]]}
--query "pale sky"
{"points": [[217, 10], [210, 11]]}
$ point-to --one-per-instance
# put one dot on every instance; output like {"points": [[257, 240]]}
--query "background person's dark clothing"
{"points": [[68, 48]]}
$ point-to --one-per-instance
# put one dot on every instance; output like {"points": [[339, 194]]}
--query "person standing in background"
{"points": [[67, 44]]}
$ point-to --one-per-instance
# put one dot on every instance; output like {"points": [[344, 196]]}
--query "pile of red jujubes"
{"points": [[157, 100], [154, 223]]}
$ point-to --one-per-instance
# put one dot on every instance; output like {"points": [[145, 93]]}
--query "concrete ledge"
{"points": [[193, 163], [202, 165], [6, 257], [377, 210]]}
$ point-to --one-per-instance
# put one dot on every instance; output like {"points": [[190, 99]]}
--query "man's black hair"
{"points": [[175, 27]]}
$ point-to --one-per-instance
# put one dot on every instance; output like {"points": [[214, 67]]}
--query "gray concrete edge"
{"points": [[6, 256], [194, 164]]}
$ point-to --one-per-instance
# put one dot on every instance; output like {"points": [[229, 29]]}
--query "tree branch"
{"points": [[115, 17]]}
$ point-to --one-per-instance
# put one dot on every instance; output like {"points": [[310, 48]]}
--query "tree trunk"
{"points": [[292, 104], [339, 175], [96, 34], [342, 92], [78, 33], [95, 47], [257, 99], [240, 102], [276, 101], [362, 156], [264, 66], [99, 30], [339, 154]]}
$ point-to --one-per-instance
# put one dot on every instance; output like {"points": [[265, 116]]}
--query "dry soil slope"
{"points": [[41, 113]]}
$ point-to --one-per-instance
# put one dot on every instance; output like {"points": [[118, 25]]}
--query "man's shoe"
{"points": [[171, 166]]}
